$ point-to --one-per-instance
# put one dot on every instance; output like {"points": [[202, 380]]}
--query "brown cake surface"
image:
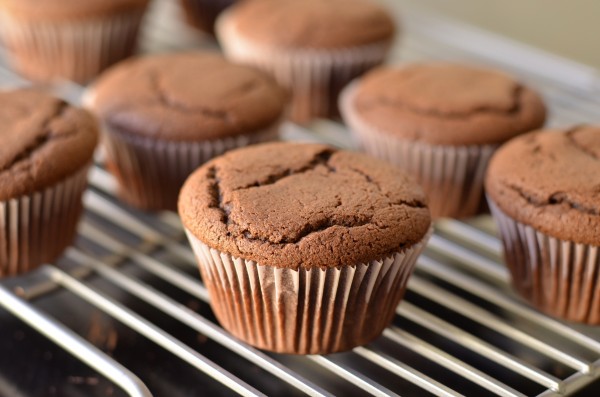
{"points": [[57, 9], [447, 104], [44, 140], [313, 23], [303, 205], [550, 180], [186, 97]]}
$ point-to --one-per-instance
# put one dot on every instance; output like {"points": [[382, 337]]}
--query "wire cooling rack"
{"points": [[124, 311]]}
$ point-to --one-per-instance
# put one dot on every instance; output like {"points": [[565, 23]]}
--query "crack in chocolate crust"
{"points": [[164, 100], [191, 96], [309, 229], [321, 158], [216, 194], [561, 198], [326, 224], [517, 96], [321, 226], [412, 203], [545, 179], [367, 177], [41, 140], [557, 198], [45, 141], [442, 103], [570, 136]]}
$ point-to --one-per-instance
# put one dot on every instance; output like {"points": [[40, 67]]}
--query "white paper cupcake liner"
{"points": [[76, 50], [305, 311], [315, 77], [451, 176], [151, 171], [559, 277], [36, 228]]}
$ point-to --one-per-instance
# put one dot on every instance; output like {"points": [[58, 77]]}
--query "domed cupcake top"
{"points": [[303, 205], [550, 180], [44, 140], [316, 24], [186, 96], [446, 104]]}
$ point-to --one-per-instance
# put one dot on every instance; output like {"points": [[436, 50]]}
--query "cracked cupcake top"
{"points": [[303, 205], [186, 97], [317, 24], [446, 104], [44, 140], [550, 180]]}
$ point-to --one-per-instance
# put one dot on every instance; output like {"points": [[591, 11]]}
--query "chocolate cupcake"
{"points": [[312, 47], [440, 122], [165, 115], [66, 39], [544, 192], [304, 249], [202, 14], [47, 147]]}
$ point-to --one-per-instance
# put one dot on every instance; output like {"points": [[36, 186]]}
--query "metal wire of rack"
{"points": [[126, 312]]}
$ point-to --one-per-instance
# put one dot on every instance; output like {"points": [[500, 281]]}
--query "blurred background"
{"points": [[567, 28]]}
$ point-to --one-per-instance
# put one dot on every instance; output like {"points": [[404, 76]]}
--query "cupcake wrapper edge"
{"points": [[36, 228], [315, 77], [559, 277], [304, 311], [73, 50], [151, 171]]}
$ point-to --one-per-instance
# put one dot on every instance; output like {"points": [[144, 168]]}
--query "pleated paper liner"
{"points": [[451, 176], [560, 278], [151, 171], [36, 228], [75, 50], [315, 77], [305, 311], [202, 14]]}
